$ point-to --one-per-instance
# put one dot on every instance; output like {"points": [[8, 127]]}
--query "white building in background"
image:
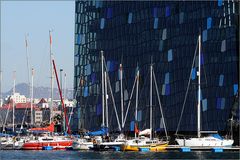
{"points": [[18, 98]]}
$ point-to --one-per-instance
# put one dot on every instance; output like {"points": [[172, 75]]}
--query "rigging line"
{"points": [[186, 94], [160, 105], [110, 89]]}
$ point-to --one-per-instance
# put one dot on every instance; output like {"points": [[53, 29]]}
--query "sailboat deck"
{"points": [[202, 148]]}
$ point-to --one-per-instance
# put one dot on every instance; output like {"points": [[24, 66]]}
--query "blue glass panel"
{"points": [[109, 13], [102, 23], [132, 126], [85, 93], [235, 89], [181, 17], [220, 3], [204, 105], [204, 35], [93, 77], [139, 117], [166, 78], [167, 89], [209, 22], [167, 11], [194, 73], [163, 89], [170, 57], [79, 39], [88, 69], [155, 26], [99, 109], [221, 78], [223, 103], [202, 59], [155, 12], [130, 16], [223, 46], [219, 103], [164, 34], [108, 65], [161, 45]]}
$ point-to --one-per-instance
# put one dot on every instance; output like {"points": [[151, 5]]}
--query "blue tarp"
{"points": [[102, 131], [5, 135], [217, 136]]}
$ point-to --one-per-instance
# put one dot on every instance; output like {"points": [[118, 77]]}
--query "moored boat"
{"points": [[56, 142]]}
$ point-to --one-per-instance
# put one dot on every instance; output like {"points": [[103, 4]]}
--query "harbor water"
{"points": [[74, 155]]}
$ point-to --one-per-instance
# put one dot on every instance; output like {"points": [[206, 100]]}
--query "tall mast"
{"points": [[136, 107], [28, 69], [106, 97], [199, 88], [51, 76], [1, 100], [121, 90], [65, 85], [151, 71], [13, 103], [103, 105], [32, 97]]}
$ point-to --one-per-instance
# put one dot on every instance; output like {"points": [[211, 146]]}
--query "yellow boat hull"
{"points": [[153, 148]]}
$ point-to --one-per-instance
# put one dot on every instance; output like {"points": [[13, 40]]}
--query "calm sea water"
{"points": [[72, 155]]}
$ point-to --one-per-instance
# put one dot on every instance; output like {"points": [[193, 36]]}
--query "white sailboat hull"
{"points": [[205, 142], [82, 144]]}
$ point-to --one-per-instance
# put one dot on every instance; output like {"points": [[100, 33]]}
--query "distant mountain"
{"points": [[38, 92]]}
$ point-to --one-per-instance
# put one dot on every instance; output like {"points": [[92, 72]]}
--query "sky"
{"points": [[35, 19]]}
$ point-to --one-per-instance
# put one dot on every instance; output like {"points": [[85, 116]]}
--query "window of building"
{"points": [[220, 103], [167, 11], [117, 86], [181, 18], [99, 109], [164, 34], [170, 56], [221, 78], [155, 12], [194, 73], [223, 46], [109, 13], [235, 89], [166, 81], [155, 25], [130, 16], [204, 36], [102, 23], [204, 105], [139, 116], [85, 93], [209, 22], [161, 45]]}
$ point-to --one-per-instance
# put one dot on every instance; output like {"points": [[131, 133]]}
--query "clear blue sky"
{"points": [[36, 18]]}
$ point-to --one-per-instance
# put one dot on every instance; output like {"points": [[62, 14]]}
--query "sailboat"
{"points": [[104, 143], [150, 143], [213, 140]]}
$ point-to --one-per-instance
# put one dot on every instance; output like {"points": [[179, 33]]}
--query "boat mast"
{"points": [[51, 76], [136, 100], [151, 70], [106, 97], [199, 88], [32, 97], [121, 88], [103, 105], [1, 100], [13, 103]]}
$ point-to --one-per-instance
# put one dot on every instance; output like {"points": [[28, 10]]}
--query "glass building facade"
{"points": [[135, 33]]}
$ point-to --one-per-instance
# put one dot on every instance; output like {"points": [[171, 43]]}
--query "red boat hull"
{"points": [[59, 145]]}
